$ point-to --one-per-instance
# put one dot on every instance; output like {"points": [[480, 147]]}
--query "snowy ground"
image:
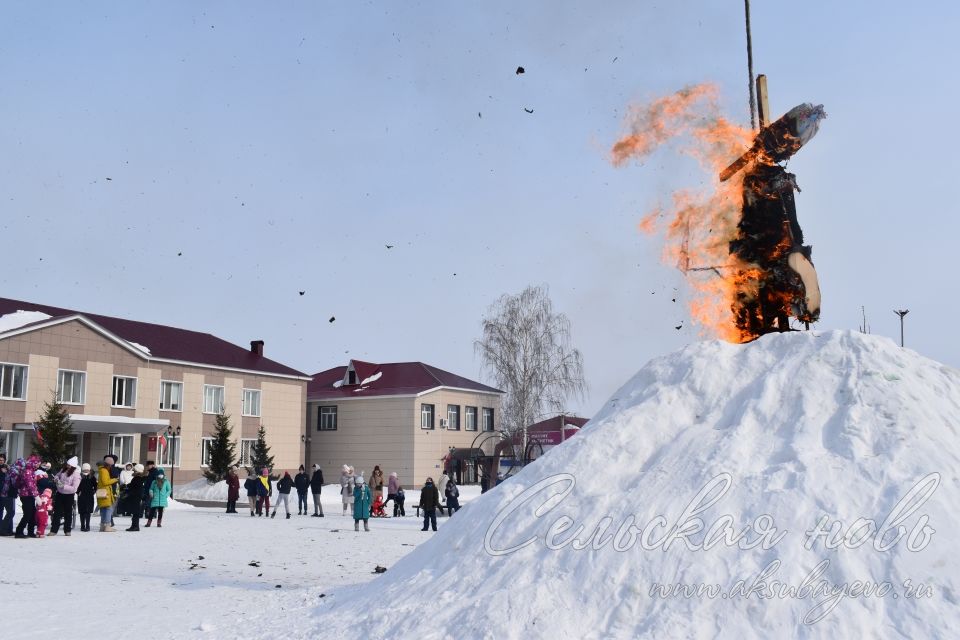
{"points": [[156, 582]]}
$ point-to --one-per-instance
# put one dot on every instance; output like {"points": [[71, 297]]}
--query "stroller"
{"points": [[377, 510]]}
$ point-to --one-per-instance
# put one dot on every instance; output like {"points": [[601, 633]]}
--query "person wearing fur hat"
{"points": [[135, 490], [233, 489], [27, 490], [159, 495], [67, 481], [316, 486], [86, 492], [361, 504], [347, 484]]}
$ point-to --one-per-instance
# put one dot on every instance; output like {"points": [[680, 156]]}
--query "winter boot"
{"points": [[366, 527], [134, 529], [160, 521], [66, 533], [106, 528], [274, 514], [356, 525], [251, 514], [149, 522], [288, 516]]}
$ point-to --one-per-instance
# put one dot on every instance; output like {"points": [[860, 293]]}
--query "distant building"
{"points": [[546, 434], [403, 416], [125, 383]]}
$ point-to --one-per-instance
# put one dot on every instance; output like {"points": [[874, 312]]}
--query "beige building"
{"points": [[405, 417], [127, 385]]}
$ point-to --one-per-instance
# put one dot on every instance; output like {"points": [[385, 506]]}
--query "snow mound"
{"points": [[801, 426]]}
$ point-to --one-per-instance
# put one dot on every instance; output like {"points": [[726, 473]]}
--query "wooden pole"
{"points": [[763, 102]]}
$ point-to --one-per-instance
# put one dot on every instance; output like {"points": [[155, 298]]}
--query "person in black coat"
{"points": [[453, 497], [283, 489], [85, 496], [429, 502], [302, 483], [250, 484], [316, 485], [134, 491]]}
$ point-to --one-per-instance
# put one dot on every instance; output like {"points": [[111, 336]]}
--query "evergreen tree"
{"points": [[223, 450], [260, 456], [55, 431]]}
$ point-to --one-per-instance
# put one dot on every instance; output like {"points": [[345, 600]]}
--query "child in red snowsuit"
{"points": [[44, 507]]}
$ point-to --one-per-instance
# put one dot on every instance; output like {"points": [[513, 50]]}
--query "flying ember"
{"points": [[738, 242]]}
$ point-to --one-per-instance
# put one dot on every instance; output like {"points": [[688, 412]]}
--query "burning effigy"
{"points": [[738, 241]]}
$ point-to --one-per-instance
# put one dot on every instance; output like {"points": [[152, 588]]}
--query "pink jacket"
{"points": [[67, 485]]}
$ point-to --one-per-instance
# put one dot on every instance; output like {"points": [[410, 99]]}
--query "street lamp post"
{"points": [[901, 313]]}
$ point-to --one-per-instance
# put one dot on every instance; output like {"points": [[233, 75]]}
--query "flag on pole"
{"points": [[162, 440], [36, 433]]}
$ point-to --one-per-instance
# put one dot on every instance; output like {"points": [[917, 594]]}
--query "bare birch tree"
{"points": [[526, 348]]}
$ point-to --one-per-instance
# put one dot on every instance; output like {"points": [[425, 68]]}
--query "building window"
{"points": [[453, 417], [487, 419], [426, 416], [122, 447], [212, 399], [327, 419], [124, 392], [13, 382], [171, 396], [246, 451], [205, 445], [470, 418], [71, 386], [251, 402], [169, 455], [10, 445]]}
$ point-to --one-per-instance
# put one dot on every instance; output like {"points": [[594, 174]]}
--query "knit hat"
{"points": [[345, 469], [159, 472], [138, 468], [315, 467], [359, 479], [73, 462], [85, 467], [48, 492], [264, 471]]}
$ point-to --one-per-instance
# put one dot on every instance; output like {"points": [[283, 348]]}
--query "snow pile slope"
{"points": [[802, 426]]}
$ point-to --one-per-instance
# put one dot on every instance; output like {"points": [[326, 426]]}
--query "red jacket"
{"points": [[233, 486]]}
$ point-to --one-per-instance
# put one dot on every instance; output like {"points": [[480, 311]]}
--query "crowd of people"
{"points": [[50, 500], [366, 499]]}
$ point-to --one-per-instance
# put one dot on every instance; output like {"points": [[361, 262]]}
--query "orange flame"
{"points": [[697, 225]]}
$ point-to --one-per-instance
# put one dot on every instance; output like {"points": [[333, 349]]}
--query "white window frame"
{"points": [[483, 418], [249, 393], [246, 451], [113, 393], [205, 444], [427, 409], [83, 386], [453, 418], [466, 418], [12, 445], [222, 398], [111, 441], [324, 425], [26, 373], [180, 401], [173, 442]]}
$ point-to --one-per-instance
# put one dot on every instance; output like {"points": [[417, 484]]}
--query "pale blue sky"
{"points": [[280, 149]]}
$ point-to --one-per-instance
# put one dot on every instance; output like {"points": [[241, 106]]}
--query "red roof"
{"points": [[167, 343], [553, 424], [395, 379]]}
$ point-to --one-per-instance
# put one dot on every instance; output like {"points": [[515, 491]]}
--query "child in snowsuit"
{"points": [[44, 507], [361, 504]]}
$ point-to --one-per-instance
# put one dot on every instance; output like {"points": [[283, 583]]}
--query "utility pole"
{"points": [[901, 313]]}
